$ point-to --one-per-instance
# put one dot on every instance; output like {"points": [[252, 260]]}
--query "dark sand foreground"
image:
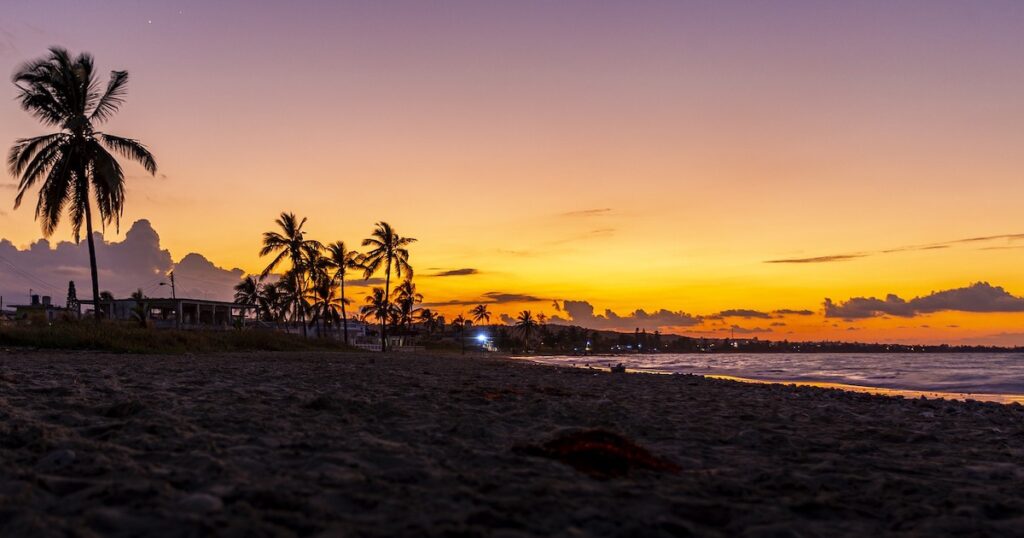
{"points": [[363, 445]]}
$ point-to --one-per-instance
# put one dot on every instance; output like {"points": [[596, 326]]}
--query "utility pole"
{"points": [[174, 294]]}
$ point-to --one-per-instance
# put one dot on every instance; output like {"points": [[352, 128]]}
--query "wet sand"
{"points": [[414, 445]]}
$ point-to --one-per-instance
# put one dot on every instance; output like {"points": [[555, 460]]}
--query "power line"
{"points": [[34, 280]]}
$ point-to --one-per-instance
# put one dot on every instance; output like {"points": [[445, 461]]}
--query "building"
{"points": [[42, 308], [177, 312]]}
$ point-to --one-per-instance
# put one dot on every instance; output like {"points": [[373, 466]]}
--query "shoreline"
{"points": [[995, 397]]}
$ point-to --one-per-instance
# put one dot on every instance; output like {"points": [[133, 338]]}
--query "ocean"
{"points": [[983, 376]]}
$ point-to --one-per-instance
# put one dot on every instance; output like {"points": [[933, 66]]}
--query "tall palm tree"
{"points": [[291, 244], [342, 259], [526, 325], [480, 313], [74, 164], [387, 250], [317, 268]]}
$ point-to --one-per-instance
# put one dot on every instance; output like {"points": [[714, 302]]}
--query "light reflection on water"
{"points": [[980, 376]]}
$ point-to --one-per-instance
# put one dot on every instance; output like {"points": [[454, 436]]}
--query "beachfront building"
{"points": [[42, 309], [183, 313]]}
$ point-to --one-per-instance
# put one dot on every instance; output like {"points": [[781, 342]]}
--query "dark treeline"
{"points": [[561, 339]]}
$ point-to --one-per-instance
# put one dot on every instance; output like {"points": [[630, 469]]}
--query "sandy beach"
{"points": [[333, 444]]}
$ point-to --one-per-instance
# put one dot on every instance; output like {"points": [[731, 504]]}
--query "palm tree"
{"points": [[388, 249], [429, 319], [526, 325], [74, 162], [291, 244], [274, 301], [319, 269], [139, 308], [343, 259], [459, 324], [325, 304], [377, 307], [249, 291], [480, 313], [405, 299]]}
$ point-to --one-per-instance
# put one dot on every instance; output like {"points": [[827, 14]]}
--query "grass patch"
{"points": [[130, 338]]}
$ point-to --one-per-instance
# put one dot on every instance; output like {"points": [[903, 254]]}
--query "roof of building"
{"points": [[156, 301]]}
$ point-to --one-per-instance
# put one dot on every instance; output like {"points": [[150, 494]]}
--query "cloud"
{"points": [[978, 297], [909, 248], [456, 272], [819, 259], [597, 212], [995, 339], [8, 43], [491, 297], [742, 313], [507, 319], [499, 297], [197, 277], [364, 282], [590, 234], [736, 329], [582, 313], [791, 312], [778, 324], [136, 262]]}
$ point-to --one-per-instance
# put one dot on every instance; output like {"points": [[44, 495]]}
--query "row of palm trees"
{"points": [[312, 289]]}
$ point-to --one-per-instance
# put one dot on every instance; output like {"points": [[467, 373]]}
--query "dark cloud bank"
{"points": [[978, 297], [582, 313], [136, 262]]}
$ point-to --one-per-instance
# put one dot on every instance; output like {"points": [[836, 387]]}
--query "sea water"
{"points": [[959, 373]]}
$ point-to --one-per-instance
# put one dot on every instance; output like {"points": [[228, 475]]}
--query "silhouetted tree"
{"points": [[429, 319], [405, 299], [291, 244], [377, 307], [74, 164], [526, 325], [342, 259], [249, 292], [480, 313], [140, 308], [387, 250]]}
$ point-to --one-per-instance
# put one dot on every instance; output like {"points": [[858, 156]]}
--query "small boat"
{"points": [[618, 369]]}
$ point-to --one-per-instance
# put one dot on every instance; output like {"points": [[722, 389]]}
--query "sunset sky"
{"points": [[710, 163]]}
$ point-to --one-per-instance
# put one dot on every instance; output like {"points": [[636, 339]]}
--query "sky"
{"points": [[785, 170]]}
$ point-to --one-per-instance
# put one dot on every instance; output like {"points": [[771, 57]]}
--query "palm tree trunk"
{"points": [[344, 317], [300, 301], [387, 301], [92, 260]]}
